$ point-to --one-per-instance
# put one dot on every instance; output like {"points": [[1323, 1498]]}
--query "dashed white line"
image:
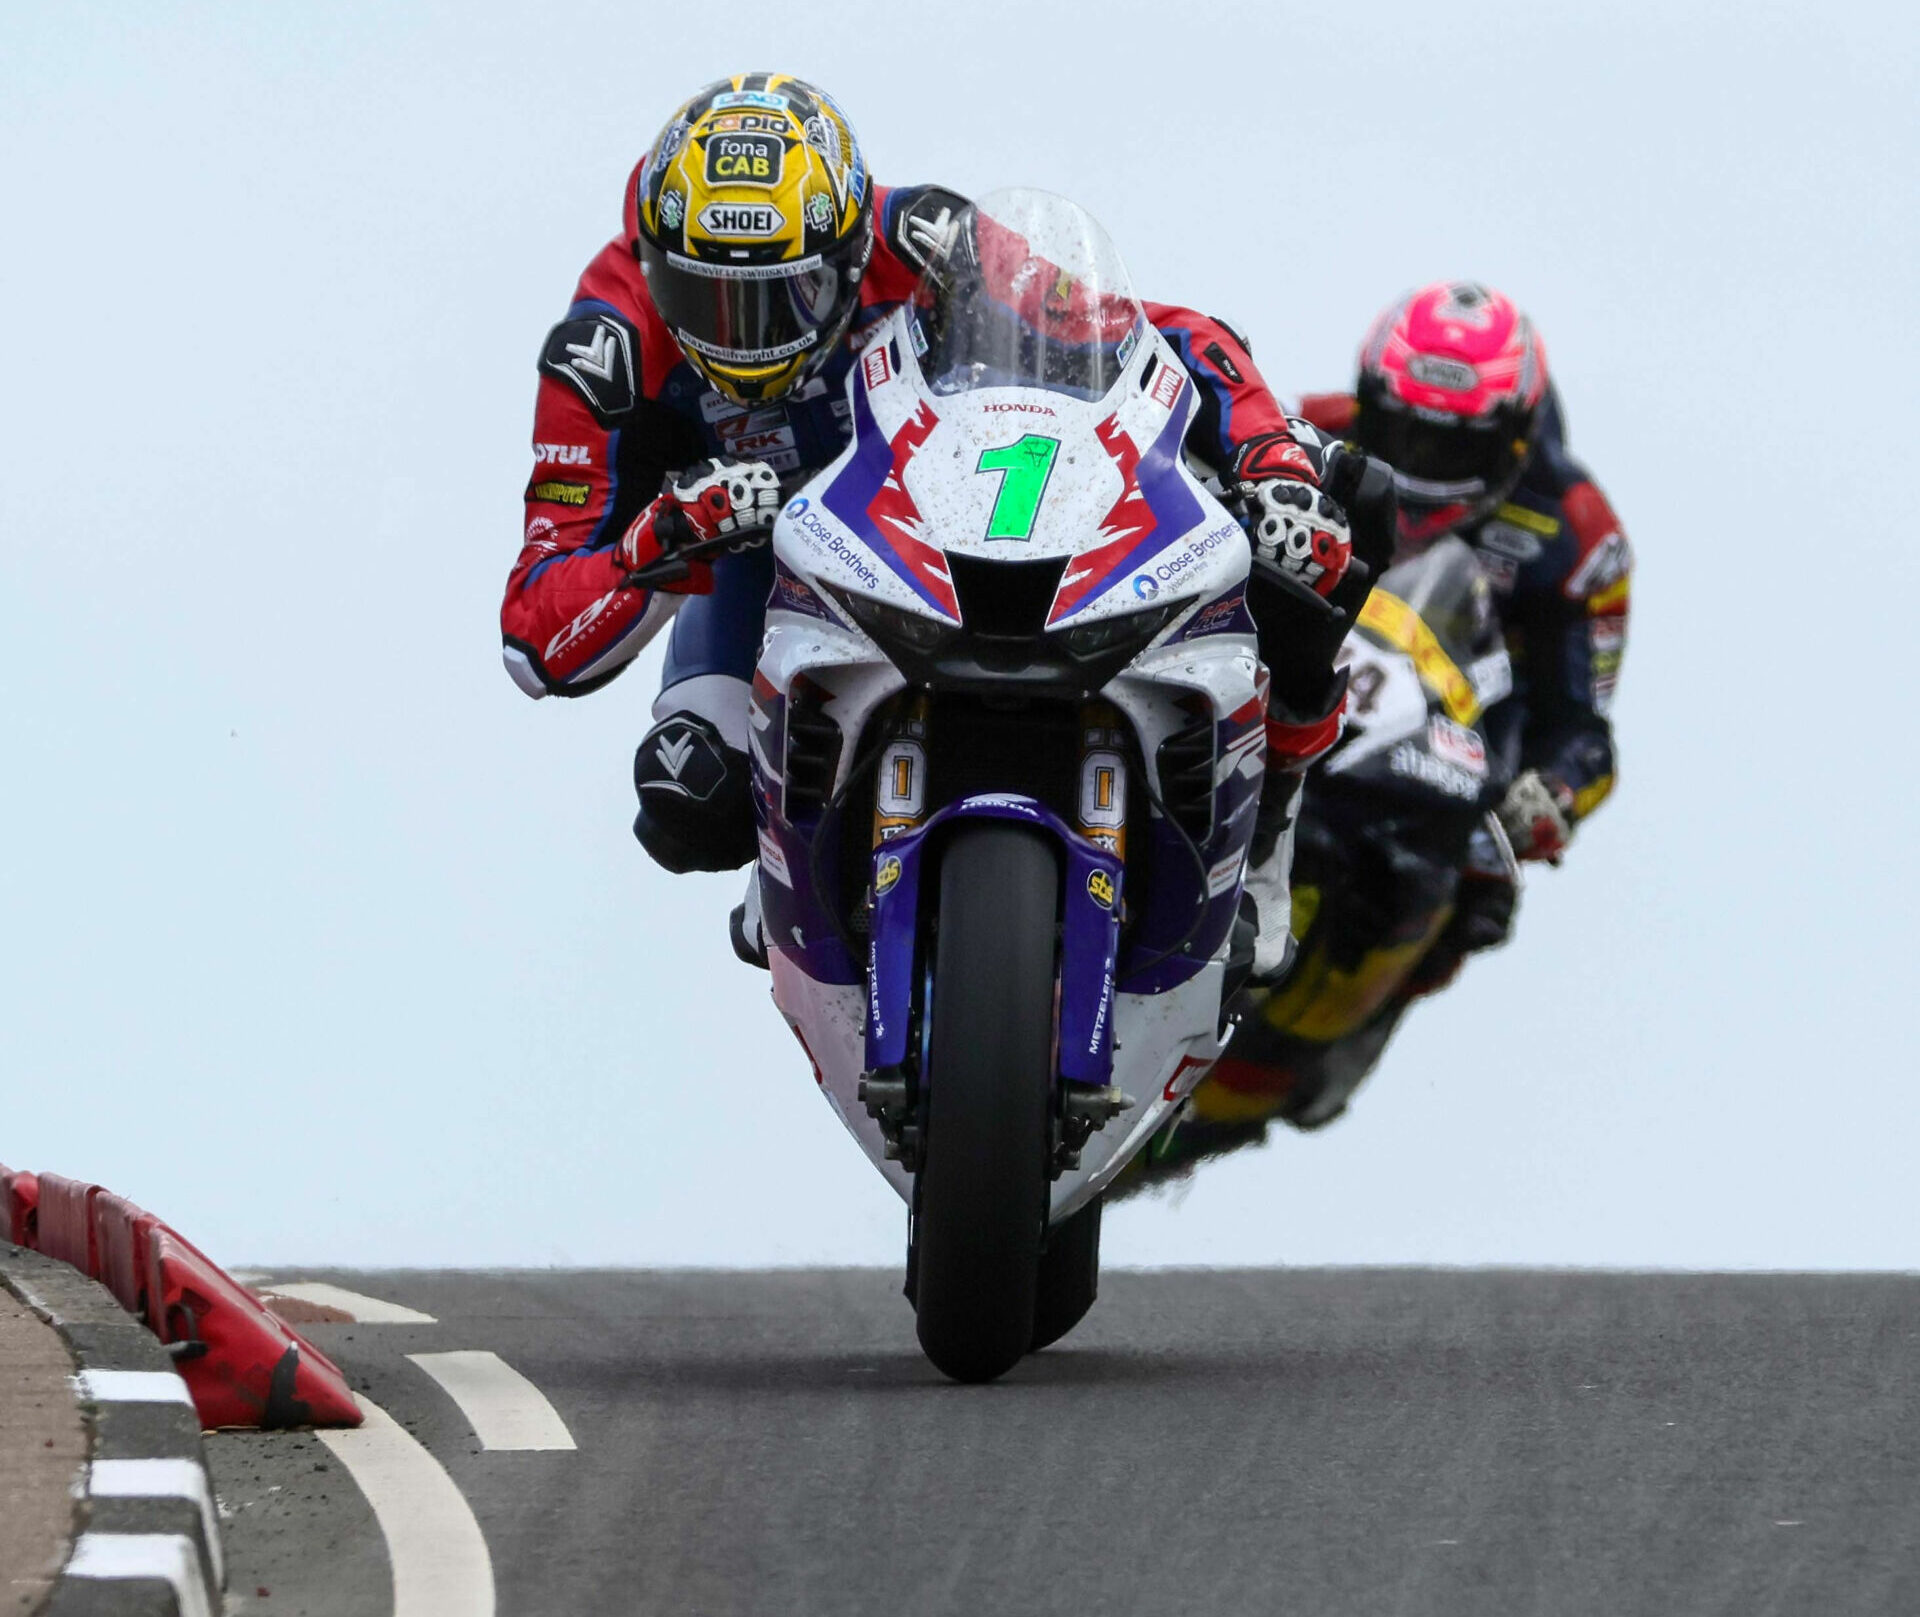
{"points": [[160, 1479], [169, 1556], [440, 1563], [132, 1387], [505, 1409], [365, 1310]]}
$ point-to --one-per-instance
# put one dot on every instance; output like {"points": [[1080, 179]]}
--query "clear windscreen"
{"points": [[1445, 585], [1027, 291]]}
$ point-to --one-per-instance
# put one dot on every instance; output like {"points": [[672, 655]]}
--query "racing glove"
{"points": [[1298, 532], [1537, 815], [722, 504]]}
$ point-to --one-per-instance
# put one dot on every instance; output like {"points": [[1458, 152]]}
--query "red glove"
{"points": [[716, 500]]}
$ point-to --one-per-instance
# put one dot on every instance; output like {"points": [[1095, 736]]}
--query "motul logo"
{"points": [[563, 454], [741, 219]]}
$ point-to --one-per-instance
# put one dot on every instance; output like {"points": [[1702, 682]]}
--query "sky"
{"points": [[326, 944]]}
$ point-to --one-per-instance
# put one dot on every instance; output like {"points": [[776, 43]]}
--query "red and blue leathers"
{"points": [[619, 408], [1561, 570]]}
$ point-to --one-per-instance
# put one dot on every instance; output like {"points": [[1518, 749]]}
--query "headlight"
{"points": [[1131, 630], [890, 625]]}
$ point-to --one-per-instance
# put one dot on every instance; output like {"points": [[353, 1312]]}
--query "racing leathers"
{"points": [[619, 410], [1561, 570]]}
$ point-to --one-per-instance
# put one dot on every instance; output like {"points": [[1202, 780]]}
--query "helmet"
{"points": [[752, 221], [1452, 380]]}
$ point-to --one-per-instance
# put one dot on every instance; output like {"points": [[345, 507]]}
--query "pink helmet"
{"points": [[1452, 379]]}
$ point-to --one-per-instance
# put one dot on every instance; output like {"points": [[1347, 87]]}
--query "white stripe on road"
{"points": [[365, 1310], [168, 1556], [440, 1563], [132, 1387], [160, 1479], [506, 1410]]}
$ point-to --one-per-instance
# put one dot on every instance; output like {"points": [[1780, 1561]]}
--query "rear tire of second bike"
{"points": [[1069, 1276], [981, 1198]]}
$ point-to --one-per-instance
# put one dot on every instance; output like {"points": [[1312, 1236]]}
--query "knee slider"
{"points": [[696, 797]]}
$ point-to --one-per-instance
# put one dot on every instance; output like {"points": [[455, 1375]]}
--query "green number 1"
{"points": [[1027, 465]]}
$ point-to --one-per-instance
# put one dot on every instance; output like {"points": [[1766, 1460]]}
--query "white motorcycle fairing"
{"points": [[917, 485]]}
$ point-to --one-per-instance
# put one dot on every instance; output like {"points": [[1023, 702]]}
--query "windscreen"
{"points": [[1444, 584], [1026, 290]]}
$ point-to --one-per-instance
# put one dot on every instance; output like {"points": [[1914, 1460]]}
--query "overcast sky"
{"points": [[328, 945]]}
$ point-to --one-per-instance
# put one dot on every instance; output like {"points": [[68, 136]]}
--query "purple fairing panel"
{"points": [[852, 492], [792, 918], [1089, 945], [1173, 886]]}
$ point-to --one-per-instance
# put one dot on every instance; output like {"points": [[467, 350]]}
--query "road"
{"points": [[1325, 1442]]}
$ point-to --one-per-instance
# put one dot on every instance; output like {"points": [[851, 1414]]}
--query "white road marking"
{"points": [[144, 1555], [160, 1479], [506, 1410], [132, 1387], [440, 1563], [365, 1310]]}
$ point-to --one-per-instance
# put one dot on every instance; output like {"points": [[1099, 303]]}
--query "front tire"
{"points": [[981, 1196]]}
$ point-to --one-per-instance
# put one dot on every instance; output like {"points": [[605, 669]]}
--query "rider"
{"points": [[1453, 392], [703, 360]]}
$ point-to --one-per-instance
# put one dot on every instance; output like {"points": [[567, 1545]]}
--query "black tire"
{"points": [[981, 1198], [1069, 1276]]}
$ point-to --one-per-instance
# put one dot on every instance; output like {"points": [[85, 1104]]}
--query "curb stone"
{"points": [[148, 1541]]}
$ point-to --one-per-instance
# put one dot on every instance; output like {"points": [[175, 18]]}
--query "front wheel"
{"points": [[981, 1198]]}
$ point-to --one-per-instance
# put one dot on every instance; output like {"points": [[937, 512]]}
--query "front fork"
{"points": [[1095, 868]]}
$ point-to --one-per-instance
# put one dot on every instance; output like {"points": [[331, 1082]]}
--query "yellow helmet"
{"points": [[753, 220]]}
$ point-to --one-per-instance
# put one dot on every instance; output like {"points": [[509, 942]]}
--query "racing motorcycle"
{"points": [[1395, 818], [1007, 739]]}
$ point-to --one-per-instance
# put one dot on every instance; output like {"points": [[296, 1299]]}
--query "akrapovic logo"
{"points": [[741, 219]]}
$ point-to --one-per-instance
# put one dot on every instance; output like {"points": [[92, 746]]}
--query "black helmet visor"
{"points": [[747, 315]]}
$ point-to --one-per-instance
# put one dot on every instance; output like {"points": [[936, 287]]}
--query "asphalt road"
{"points": [[1324, 1442]]}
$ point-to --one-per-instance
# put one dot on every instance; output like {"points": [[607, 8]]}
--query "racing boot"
{"points": [[695, 787], [745, 927]]}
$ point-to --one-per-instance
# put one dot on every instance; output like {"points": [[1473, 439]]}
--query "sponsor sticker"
{"points": [[1144, 587], [750, 98], [1100, 888], [1458, 744], [673, 208], [820, 211], [1166, 386], [887, 875], [744, 159], [560, 493], [878, 366], [563, 454], [1434, 371], [742, 219], [1217, 615], [1417, 765]]}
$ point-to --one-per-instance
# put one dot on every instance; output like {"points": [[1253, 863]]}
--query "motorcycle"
{"points": [[1392, 821], [1007, 739]]}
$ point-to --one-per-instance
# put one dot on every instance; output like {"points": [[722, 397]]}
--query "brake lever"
{"points": [[674, 563], [1307, 597]]}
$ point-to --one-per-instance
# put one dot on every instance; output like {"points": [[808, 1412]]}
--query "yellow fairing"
{"points": [[1321, 1002], [1392, 622]]}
